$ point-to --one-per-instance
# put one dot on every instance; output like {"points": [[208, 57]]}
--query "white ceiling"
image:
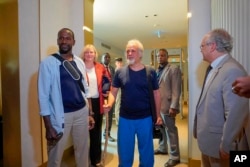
{"points": [[117, 21]]}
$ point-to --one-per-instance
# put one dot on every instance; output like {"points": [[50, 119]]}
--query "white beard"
{"points": [[130, 61]]}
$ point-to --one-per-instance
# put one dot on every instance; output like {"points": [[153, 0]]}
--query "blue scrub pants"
{"points": [[128, 130]]}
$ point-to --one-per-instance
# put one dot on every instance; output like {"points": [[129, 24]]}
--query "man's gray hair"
{"points": [[223, 40]]}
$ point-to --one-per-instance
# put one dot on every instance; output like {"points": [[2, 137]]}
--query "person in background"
{"points": [[118, 64], [220, 114], [64, 117], [135, 120], [241, 86], [111, 72], [95, 72], [169, 79]]}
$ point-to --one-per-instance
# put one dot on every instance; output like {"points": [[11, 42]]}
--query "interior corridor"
{"points": [[112, 157]]}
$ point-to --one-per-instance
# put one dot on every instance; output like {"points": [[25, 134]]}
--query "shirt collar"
{"points": [[217, 61]]}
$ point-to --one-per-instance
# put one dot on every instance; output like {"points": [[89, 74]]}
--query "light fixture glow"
{"points": [[189, 15], [87, 29]]}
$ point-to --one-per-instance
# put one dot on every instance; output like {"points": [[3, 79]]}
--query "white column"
{"points": [[199, 25]]}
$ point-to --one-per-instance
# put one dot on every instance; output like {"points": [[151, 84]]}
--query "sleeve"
{"points": [[176, 87], [116, 81], [236, 109], [44, 85]]}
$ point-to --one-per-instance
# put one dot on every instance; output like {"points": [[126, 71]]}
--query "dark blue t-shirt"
{"points": [[71, 93], [135, 100]]}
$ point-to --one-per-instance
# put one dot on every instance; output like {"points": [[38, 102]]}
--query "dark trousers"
{"points": [[95, 149]]}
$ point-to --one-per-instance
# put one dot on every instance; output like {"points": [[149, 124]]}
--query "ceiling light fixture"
{"points": [[156, 25], [159, 34]]}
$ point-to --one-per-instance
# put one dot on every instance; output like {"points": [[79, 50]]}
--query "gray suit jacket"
{"points": [[220, 114], [170, 88]]}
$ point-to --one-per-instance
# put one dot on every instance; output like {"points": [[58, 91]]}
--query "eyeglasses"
{"points": [[203, 45]]}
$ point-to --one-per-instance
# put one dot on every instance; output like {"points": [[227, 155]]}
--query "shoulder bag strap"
{"points": [[69, 70]]}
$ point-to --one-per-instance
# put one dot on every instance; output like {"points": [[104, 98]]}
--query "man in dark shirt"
{"points": [[111, 71], [135, 112]]}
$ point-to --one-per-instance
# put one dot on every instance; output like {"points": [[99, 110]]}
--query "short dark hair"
{"points": [[164, 50], [67, 29], [118, 59]]}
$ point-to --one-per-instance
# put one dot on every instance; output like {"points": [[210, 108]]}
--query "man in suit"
{"points": [[220, 114], [169, 79], [111, 71]]}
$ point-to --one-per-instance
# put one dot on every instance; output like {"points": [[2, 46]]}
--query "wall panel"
{"points": [[233, 16]]}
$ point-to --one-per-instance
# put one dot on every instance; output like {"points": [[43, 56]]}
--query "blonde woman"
{"points": [[95, 72]]}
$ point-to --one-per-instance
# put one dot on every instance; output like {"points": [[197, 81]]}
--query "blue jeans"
{"points": [[128, 130]]}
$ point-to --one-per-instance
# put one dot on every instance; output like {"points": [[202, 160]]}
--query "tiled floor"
{"points": [[111, 159]]}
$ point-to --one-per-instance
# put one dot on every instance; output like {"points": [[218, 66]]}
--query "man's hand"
{"points": [[172, 112], [241, 86], [106, 108], [91, 122], [223, 154], [51, 134], [159, 121]]}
